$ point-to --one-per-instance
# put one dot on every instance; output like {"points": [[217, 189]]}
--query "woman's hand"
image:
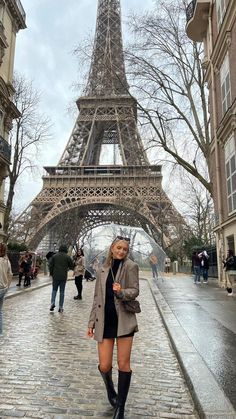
{"points": [[116, 287], [90, 332]]}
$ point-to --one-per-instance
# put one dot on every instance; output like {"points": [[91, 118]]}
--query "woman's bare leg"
{"points": [[124, 347], [105, 354]]}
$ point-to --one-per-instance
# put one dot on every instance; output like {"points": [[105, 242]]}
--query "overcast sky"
{"points": [[44, 55]]}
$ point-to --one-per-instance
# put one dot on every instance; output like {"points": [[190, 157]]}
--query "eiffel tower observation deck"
{"points": [[80, 193]]}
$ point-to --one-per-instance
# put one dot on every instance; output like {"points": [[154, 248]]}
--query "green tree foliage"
{"points": [[17, 247]]}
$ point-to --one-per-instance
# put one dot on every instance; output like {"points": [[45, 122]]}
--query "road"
{"points": [[48, 367]]}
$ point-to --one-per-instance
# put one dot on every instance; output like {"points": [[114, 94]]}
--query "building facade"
{"points": [[213, 22], [12, 19]]}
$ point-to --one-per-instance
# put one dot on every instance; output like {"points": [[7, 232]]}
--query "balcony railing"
{"points": [[190, 10], [5, 149], [98, 171]]}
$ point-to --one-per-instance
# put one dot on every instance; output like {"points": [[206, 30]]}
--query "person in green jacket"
{"points": [[59, 265]]}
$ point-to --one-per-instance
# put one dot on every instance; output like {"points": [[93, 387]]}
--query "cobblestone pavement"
{"points": [[48, 367]]}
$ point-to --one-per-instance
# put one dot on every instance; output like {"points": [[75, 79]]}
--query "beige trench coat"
{"points": [[128, 276]]}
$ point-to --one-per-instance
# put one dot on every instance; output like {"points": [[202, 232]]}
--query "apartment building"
{"points": [[213, 22], [12, 19]]}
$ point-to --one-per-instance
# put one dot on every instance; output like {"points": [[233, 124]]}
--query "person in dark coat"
{"points": [[26, 264], [21, 270], [59, 264], [230, 268], [204, 265], [196, 268], [117, 282]]}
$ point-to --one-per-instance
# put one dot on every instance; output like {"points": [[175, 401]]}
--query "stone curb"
{"points": [[14, 293], [19, 292], [209, 399]]}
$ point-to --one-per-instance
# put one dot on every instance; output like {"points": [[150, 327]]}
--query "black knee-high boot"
{"points": [[111, 393], [123, 389]]}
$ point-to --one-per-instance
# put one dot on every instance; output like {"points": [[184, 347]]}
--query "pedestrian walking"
{"points": [[153, 262], [79, 271], [167, 265], [196, 266], [5, 279], [230, 268], [25, 266], [204, 266], [20, 270], [117, 283], [27, 270], [59, 264]]}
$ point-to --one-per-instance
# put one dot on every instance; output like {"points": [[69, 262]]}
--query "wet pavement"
{"points": [[48, 367], [201, 320]]}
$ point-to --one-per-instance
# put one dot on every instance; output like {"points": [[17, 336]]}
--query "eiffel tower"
{"points": [[80, 193]]}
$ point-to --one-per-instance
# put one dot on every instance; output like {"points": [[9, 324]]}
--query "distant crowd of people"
{"points": [[60, 262]]}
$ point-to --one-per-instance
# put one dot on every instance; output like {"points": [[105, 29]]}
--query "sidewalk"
{"points": [[39, 282], [48, 367], [200, 320]]}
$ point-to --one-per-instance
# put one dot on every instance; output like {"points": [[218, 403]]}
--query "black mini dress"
{"points": [[111, 318]]}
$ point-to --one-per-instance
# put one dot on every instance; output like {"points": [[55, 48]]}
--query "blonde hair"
{"points": [[109, 258]]}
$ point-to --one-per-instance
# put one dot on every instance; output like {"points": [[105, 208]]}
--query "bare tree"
{"points": [[165, 69], [29, 132], [198, 210]]}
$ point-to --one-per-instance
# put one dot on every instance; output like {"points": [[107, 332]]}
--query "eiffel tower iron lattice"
{"points": [[80, 193]]}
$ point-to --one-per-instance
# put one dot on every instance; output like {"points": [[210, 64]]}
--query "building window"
{"points": [[220, 10], [230, 165], [230, 243], [225, 84]]}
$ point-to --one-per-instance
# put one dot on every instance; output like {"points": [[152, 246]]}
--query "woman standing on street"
{"points": [[79, 271], [117, 282], [5, 277]]}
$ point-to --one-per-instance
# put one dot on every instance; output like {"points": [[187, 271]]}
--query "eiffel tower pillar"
{"points": [[81, 192]]}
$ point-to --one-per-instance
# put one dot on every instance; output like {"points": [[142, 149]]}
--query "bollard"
{"points": [[175, 267]]}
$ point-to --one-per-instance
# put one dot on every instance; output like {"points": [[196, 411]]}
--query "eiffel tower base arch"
{"points": [[71, 224], [68, 206]]}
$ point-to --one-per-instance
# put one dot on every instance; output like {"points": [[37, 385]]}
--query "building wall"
{"points": [[7, 65], [219, 40], [12, 19]]}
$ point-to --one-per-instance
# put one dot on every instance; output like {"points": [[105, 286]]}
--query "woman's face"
{"points": [[120, 249]]}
